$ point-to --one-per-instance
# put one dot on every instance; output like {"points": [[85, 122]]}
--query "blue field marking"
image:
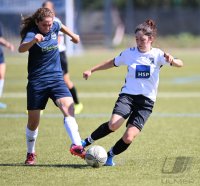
{"points": [[187, 80], [103, 115]]}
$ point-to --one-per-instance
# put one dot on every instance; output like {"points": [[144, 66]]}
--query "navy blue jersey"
{"points": [[44, 60]]}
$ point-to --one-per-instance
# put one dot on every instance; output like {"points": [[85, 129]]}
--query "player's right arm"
{"points": [[74, 37], [103, 66], [25, 46]]}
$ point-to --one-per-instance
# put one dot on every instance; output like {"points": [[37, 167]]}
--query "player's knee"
{"points": [[128, 139], [112, 126], [115, 122], [68, 110]]}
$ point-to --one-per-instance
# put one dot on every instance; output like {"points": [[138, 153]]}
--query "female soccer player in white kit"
{"points": [[138, 95]]}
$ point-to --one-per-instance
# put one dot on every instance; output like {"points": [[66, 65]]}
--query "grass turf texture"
{"points": [[165, 153]]}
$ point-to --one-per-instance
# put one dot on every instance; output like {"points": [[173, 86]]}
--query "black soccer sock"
{"points": [[118, 148], [102, 131], [74, 95]]}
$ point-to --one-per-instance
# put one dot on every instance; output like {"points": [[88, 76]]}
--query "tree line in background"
{"points": [[99, 4]]}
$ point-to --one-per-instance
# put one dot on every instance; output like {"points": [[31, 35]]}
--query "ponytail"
{"points": [[148, 28]]}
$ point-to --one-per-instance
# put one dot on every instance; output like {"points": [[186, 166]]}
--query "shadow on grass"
{"points": [[75, 166]]}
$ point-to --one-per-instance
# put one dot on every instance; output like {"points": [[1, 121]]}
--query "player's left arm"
{"points": [[74, 37], [173, 61]]}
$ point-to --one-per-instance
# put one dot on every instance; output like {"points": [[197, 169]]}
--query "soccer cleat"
{"points": [[30, 159], [78, 108], [77, 150], [110, 161], [3, 106]]}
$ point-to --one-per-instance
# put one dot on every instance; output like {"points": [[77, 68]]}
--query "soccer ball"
{"points": [[96, 156]]}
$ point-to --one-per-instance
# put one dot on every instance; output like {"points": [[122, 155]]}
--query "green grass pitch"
{"points": [[167, 152]]}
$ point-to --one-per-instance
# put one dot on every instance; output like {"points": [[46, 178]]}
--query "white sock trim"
{"points": [[1, 86], [31, 137], [90, 139], [111, 152]]}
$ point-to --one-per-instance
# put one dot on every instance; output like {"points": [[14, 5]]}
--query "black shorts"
{"points": [[137, 108], [64, 62], [38, 93]]}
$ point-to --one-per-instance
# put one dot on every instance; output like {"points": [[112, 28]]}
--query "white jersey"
{"points": [[61, 38], [143, 71]]}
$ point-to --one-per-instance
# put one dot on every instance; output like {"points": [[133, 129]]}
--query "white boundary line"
{"points": [[113, 95]]}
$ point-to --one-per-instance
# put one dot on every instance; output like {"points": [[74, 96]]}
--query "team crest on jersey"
{"points": [[53, 35], [142, 71], [152, 60]]}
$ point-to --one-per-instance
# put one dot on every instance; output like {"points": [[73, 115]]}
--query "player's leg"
{"points": [[122, 144], [37, 98], [121, 111], [103, 130], [31, 135], [66, 105], [139, 115], [2, 77]]}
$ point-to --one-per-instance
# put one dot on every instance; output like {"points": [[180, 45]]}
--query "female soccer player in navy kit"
{"points": [[45, 79], [137, 96]]}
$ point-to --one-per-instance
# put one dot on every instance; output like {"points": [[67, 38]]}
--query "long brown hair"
{"points": [[148, 28], [29, 22]]}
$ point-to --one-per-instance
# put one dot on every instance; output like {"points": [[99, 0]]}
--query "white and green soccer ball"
{"points": [[96, 156]]}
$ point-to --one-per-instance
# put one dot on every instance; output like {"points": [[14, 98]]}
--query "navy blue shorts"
{"points": [[38, 93], [137, 108], [1, 56]]}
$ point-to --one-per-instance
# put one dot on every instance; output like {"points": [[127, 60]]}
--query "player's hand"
{"points": [[39, 38], [75, 38], [169, 58], [11, 47], [87, 74]]}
